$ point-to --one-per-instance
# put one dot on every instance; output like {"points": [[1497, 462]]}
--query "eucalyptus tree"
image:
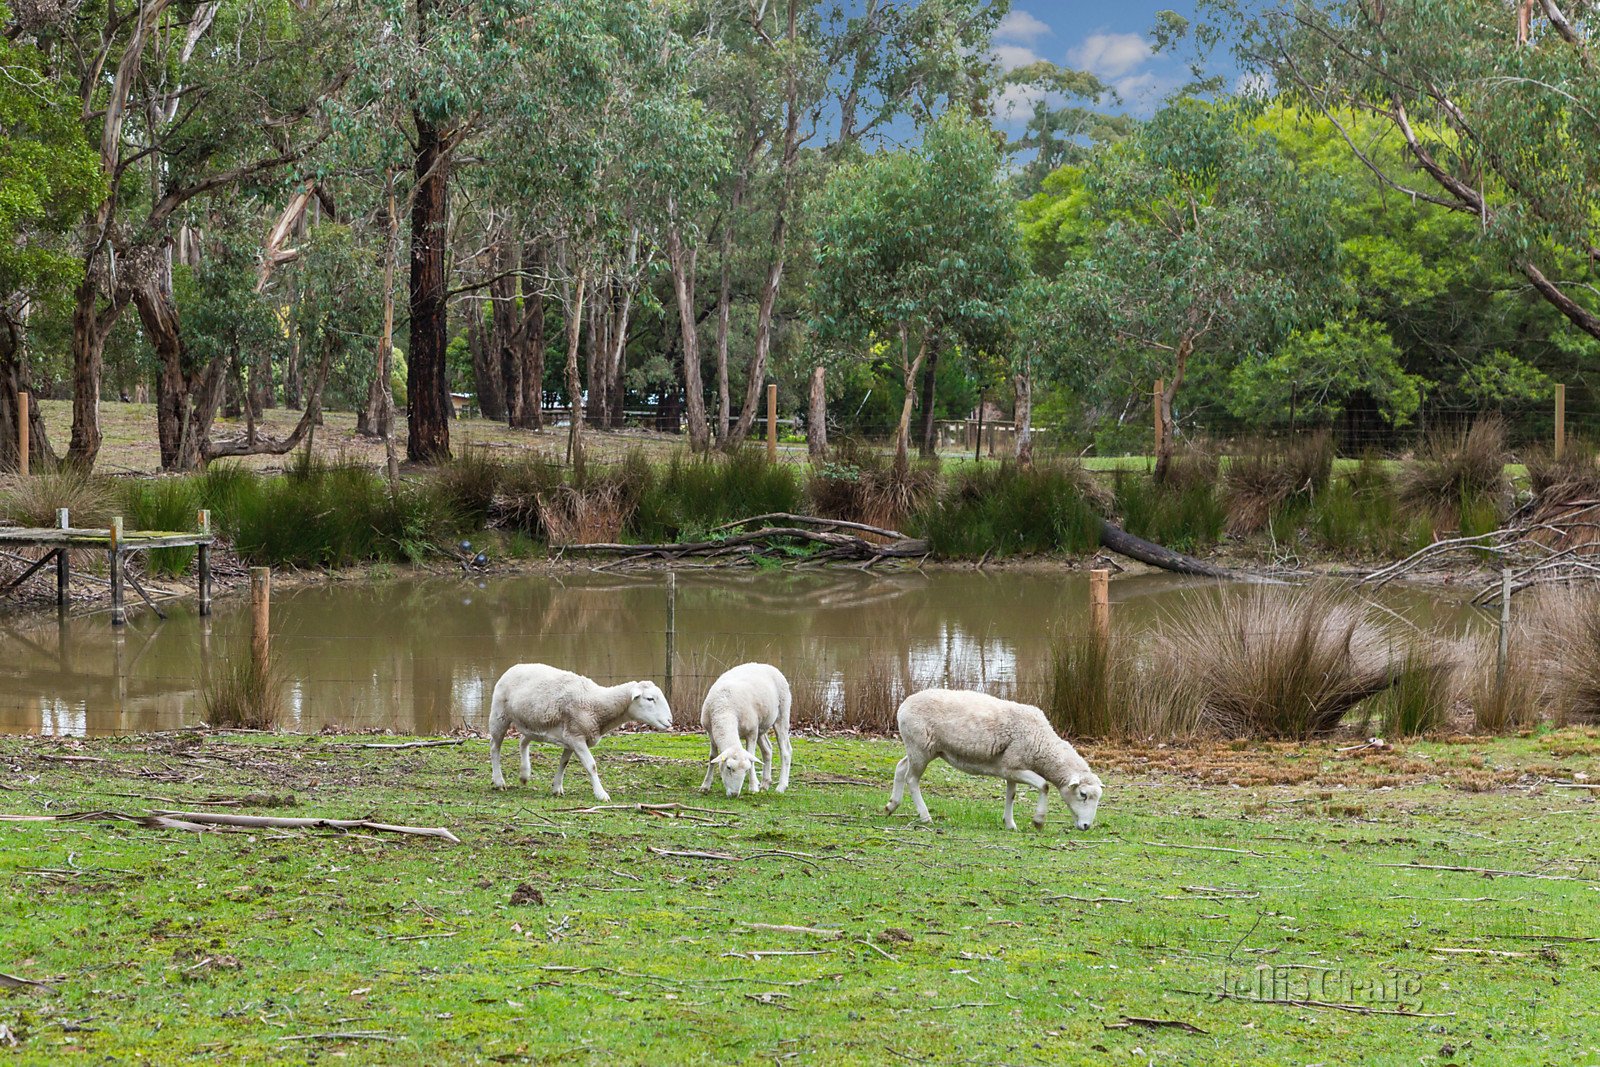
{"points": [[1065, 120], [52, 177], [1206, 244], [917, 248], [1495, 106]]}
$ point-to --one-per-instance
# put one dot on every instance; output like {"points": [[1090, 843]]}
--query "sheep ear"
{"points": [[638, 690], [722, 757], [1075, 781]]}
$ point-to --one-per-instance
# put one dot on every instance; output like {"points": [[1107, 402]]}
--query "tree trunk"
{"points": [[14, 379], [186, 399], [594, 405], [503, 331], [725, 297], [486, 374], [817, 416], [90, 328], [530, 343], [909, 368], [574, 380], [928, 386], [1168, 423], [427, 390], [379, 412], [1023, 417], [682, 263], [769, 289]]}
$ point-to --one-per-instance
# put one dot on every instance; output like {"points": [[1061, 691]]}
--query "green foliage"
{"points": [[468, 484], [168, 504], [1317, 371], [692, 496], [1185, 518], [1006, 510]]}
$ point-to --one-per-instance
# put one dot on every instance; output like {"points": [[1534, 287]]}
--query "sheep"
{"points": [[550, 704], [739, 709], [981, 734]]}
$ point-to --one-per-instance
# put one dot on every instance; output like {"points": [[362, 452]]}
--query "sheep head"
{"points": [[1082, 792], [734, 763], [649, 706]]}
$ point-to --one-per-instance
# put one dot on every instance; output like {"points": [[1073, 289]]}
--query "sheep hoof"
{"points": [[780, 789], [1038, 824], [602, 796]]}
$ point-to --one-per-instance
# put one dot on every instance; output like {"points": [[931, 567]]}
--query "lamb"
{"points": [[550, 704], [981, 734], [739, 709]]}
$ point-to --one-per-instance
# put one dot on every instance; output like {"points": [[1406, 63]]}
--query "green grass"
{"points": [[164, 504], [960, 943], [1004, 511], [687, 498]]}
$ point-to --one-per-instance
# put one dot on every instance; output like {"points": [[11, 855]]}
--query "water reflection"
{"points": [[422, 655]]}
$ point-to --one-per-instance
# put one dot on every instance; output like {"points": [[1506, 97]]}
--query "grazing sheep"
{"points": [[550, 704], [981, 734], [741, 706]]}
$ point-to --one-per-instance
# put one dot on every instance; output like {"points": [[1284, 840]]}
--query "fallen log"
{"points": [[848, 544], [1119, 540]]}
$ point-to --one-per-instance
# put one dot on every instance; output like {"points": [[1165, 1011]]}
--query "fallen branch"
{"points": [[11, 981], [846, 544], [785, 929], [1139, 1020], [1358, 1009], [1202, 848], [1490, 871], [784, 516], [201, 821], [408, 744]]}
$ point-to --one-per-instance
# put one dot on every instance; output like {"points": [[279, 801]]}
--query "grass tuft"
{"points": [[243, 696], [1007, 510], [33, 501]]}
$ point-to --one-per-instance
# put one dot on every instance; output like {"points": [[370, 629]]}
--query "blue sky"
{"points": [[1110, 40]]}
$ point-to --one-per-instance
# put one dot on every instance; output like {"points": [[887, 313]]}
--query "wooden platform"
{"points": [[118, 544]]}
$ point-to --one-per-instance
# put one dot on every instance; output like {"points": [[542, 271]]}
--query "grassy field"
{"points": [[555, 935]]}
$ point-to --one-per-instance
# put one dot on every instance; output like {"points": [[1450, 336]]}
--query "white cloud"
{"points": [[1015, 102], [1110, 55], [1021, 26], [1254, 83], [1012, 56]]}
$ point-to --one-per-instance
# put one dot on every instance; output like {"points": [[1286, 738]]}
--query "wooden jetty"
{"points": [[118, 544]]}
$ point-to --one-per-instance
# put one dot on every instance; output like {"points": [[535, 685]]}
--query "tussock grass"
{"points": [[240, 694], [1419, 701], [690, 497], [520, 485], [1008, 510], [1459, 478], [1276, 663], [1091, 690], [594, 514], [168, 504], [1567, 628], [33, 501], [1263, 479], [468, 484], [859, 484], [1181, 515]]}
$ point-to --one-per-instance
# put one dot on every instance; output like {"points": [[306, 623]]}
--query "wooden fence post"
{"points": [[1156, 396], [672, 629], [1561, 420], [22, 433], [1100, 605], [63, 559], [260, 618], [1505, 629], [772, 423], [203, 564], [119, 614]]}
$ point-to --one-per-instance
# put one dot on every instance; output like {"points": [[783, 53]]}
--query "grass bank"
{"points": [[550, 934]]}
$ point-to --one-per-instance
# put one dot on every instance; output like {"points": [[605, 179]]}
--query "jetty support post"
{"points": [[119, 614], [203, 563]]}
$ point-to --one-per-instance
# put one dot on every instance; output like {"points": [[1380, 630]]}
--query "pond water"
{"points": [[422, 655]]}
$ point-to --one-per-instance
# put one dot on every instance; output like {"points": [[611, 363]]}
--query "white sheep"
{"points": [[550, 704], [981, 734], [739, 709]]}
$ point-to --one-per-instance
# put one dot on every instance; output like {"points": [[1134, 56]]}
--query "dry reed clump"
{"points": [[1194, 468], [243, 695], [33, 501], [594, 514], [1503, 702], [1097, 687], [1422, 694], [1564, 513], [1277, 663], [1264, 478], [860, 484], [1567, 635], [1458, 473]]}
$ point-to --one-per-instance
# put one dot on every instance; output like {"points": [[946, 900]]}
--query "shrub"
{"points": [[33, 501], [165, 504], [1262, 480], [693, 496], [861, 485], [467, 486], [1458, 476], [1007, 509], [1274, 662], [1185, 519]]}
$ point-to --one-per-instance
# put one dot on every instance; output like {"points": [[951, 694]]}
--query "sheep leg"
{"points": [[586, 758], [766, 761], [527, 763], [750, 746], [1033, 781], [1011, 799], [915, 763], [561, 769], [899, 789], [788, 755], [705, 786], [497, 734]]}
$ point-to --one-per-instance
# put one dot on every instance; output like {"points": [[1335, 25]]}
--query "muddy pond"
{"points": [[421, 655]]}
